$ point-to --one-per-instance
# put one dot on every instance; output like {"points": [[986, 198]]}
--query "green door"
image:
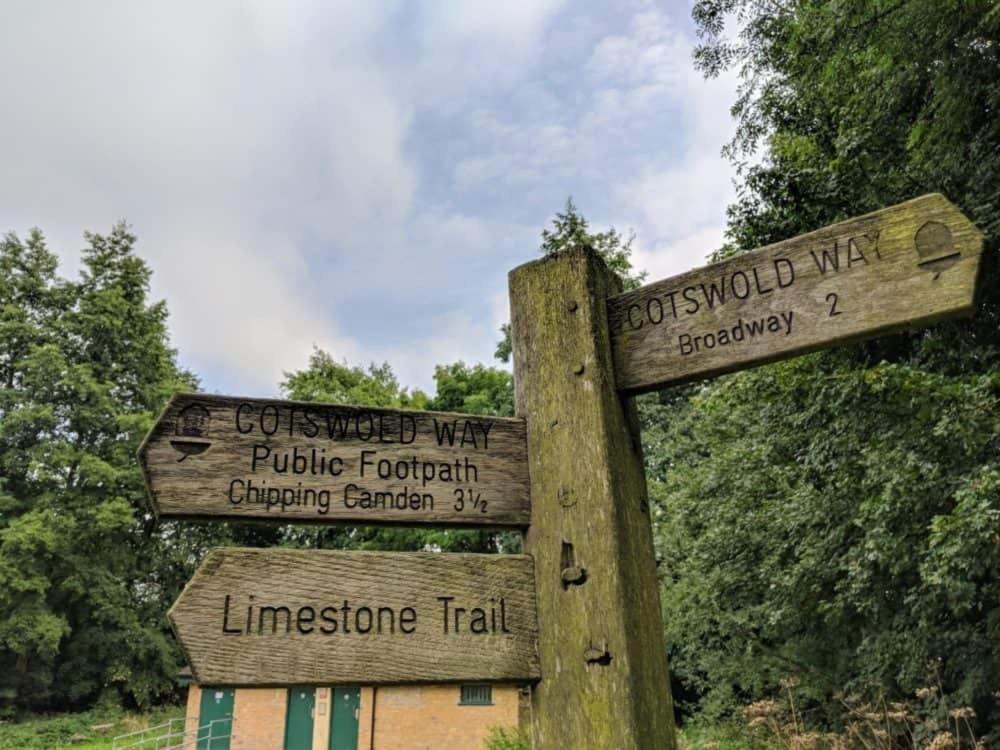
{"points": [[215, 718], [299, 718], [344, 718]]}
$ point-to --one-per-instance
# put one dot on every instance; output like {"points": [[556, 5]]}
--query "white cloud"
{"points": [[226, 142], [359, 176], [645, 129], [517, 22], [678, 254], [678, 198]]}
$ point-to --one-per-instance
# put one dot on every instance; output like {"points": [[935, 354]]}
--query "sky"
{"points": [[355, 176]]}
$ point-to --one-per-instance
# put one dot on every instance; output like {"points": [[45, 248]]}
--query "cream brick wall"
{"points": [[406, 718], [365, 720], [191, 716], [259, 719], [430, 718]]}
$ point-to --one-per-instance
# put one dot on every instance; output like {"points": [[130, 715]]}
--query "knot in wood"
{"points": [[566, 497]]}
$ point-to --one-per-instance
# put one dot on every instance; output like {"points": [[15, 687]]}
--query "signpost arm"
{"points": [[605, 681]]}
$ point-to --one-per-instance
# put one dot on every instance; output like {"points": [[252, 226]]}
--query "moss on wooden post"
{"points": [[605, 682]]}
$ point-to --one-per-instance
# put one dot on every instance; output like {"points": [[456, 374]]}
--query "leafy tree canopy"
{"points": [[474, 389], [831, 518], [85, 573], [327, 380]]}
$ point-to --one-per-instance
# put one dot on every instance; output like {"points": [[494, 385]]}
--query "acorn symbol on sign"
{"points": [[935, 248], [191, 431]]}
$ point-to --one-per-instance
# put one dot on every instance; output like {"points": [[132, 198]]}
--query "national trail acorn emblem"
{"points": [[191, 431]]}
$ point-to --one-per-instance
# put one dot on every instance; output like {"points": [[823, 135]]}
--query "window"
{"points": [[476, 695]]}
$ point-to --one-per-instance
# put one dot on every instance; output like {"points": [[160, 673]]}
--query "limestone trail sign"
{"points": [[904, 266], [221, 457], [291, 617]]}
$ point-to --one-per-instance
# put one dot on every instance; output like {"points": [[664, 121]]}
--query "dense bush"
{"points": [[836, 519]]}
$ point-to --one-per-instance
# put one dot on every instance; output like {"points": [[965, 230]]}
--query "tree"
{"points": [[475, 389], [339, 383], [835, 517], [858, 105], [570, 229], [85, 573], [835, 524]]}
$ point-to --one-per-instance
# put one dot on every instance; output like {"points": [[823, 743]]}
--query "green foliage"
{"points": [[926, 720], [76, 730], [722, 736], [508, 738], [835, 518], [858, 105], [85, 575], [328, 380], [837, 525], [475, 389], [570, 229]]}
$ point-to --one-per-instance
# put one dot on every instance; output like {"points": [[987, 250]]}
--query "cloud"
{"points": [[357, 176], [232, 145], [678, 196], [637, 141]]}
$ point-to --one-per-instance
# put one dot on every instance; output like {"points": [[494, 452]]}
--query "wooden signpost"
{"points": [[581, 347], [901, 267], [293, 617], [287, 461]]}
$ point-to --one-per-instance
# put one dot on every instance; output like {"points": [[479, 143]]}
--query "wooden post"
{"points": [[605, 682]]}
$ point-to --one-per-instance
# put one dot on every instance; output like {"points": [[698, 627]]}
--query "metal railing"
{"points": [[167, 737], [137, 738]]}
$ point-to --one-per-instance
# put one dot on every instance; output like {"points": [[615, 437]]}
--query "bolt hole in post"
{"points": [[597, 656], [572, 574]]}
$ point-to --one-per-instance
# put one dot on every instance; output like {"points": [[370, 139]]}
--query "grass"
{"points": [[730, 736], [75, 730]]}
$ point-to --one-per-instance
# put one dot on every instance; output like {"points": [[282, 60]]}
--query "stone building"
{"points": [[422, 717]]}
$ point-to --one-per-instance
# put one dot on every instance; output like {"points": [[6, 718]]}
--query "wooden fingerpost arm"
{"points": [[605, 682]]}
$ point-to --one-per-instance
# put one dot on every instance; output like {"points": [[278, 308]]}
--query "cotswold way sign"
{"points": [[221, 457], [906, 266], [292, 617]]}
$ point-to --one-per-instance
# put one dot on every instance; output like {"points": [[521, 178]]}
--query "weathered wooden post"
{"points": [[605, 680]]}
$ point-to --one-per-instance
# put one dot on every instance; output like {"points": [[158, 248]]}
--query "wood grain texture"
{"points": [[310, 645], [603, 658], [223, 457], [902, 267]]}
